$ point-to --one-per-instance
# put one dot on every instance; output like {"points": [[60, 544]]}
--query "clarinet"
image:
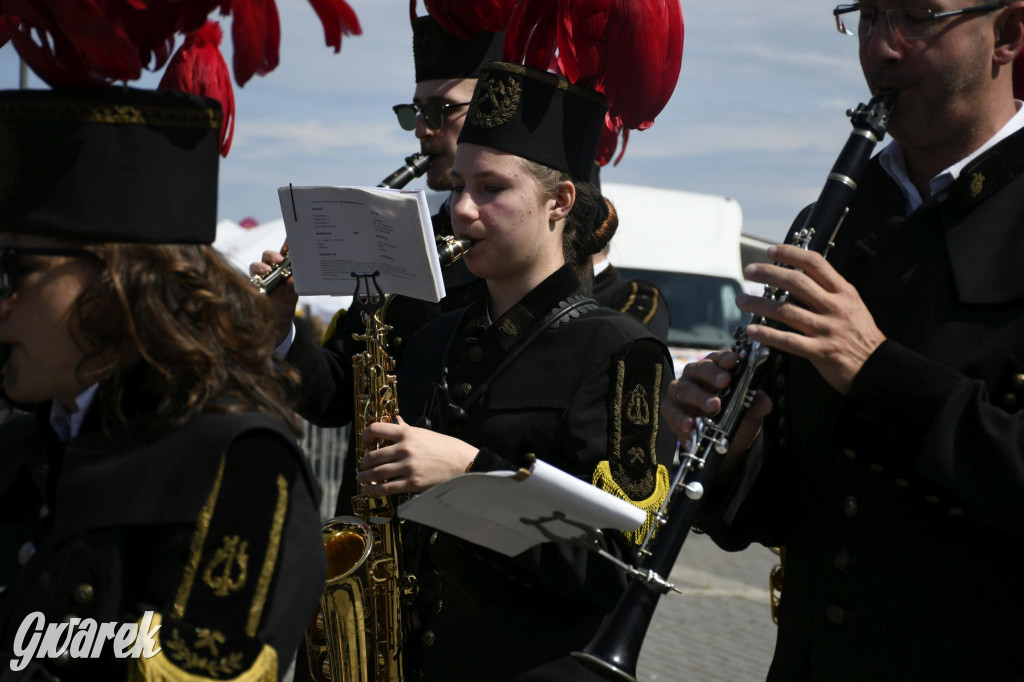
{"points": [[615, 648], [415, 166]]}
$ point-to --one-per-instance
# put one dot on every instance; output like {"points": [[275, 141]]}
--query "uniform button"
{"points": [[781, 400], [835, 615], [931, 499], [780, 381], [433, 538], [956, 511], [476, 353], [438, 606], [901, 482], [428, 638], [44, 511], [782, 423], [397, 341], [83, 594], [778, 361], [850, 507], [876, 468], [841, 560], [1010, 400], [26, 552], [1018, 380], [850, 454]]}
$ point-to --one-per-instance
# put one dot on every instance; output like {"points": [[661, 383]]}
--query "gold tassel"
{"points": [[160, 668], [603, 480]]}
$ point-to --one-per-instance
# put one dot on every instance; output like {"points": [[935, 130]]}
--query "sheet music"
{"points": [[488, 508], [336, 231]]}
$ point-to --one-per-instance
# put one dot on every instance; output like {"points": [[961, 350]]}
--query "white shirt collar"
{"points": [[601, 267], [66, 423], [894, 163]]}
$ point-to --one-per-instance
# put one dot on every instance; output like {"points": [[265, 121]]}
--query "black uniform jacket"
{"points": [[901, 506], [214, 527], [583, 392], [634, 297]]}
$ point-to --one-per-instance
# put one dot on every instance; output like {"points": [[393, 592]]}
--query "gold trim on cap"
{"points": [[118, 114]]}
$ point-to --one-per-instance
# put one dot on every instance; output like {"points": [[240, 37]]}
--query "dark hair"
{"points": [[587, 228], [189, 326]]}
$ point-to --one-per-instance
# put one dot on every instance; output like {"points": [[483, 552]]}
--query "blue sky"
{"points": [[758, 113]]}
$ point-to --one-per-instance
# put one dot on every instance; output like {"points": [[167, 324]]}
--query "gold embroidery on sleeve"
{"points": [[231, 553], [196, 548], [259, 599]]}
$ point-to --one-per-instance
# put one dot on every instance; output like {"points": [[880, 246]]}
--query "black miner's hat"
{"points": [[109, 165], [439, 55], [537, 115]]}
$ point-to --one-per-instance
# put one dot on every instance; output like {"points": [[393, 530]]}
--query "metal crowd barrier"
{"points": [[325, 449]]}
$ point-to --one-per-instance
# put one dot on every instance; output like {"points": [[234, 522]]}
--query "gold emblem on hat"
{"points": [[977, 184], [638, 410], [496, 101], [232, 554]]}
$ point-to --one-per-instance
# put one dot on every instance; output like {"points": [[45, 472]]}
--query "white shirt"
{"points": [[894, 162], [68, 423]]}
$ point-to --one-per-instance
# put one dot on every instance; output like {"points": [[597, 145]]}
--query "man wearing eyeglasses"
{"points": [[446, 69], [885, 449]]}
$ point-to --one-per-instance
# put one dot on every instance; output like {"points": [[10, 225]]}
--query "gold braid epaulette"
{"points": [[160, 668], [123, 114], [603, 480]]}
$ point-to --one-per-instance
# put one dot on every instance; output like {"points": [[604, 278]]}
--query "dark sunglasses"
{"points": [[10, 270], [433, 114]]}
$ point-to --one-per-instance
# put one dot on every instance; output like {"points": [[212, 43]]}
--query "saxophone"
{"points": [[357, 634]]}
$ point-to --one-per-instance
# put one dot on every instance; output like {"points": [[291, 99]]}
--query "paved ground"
{"points": [[720, 628]]}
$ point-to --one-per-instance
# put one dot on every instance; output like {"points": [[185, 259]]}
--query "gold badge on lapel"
{"points": [[496, 103], [977, 184], [508, 327]]}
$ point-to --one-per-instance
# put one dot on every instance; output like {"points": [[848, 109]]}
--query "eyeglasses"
{"points": [[910, 23], [433, 114], [10, 270]]}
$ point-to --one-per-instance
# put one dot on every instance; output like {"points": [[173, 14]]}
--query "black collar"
{"points": [[531, 308]]}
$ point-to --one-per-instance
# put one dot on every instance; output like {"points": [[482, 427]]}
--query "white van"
{"points": [[688, 245]]}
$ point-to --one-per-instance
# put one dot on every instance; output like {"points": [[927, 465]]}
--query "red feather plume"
{"points": [[609, 141], [198, 67], [531, 34], [644, 55], [95, 43], [4, 35], [256, 36], [338, 19], [466, 18], [630, 50]]}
